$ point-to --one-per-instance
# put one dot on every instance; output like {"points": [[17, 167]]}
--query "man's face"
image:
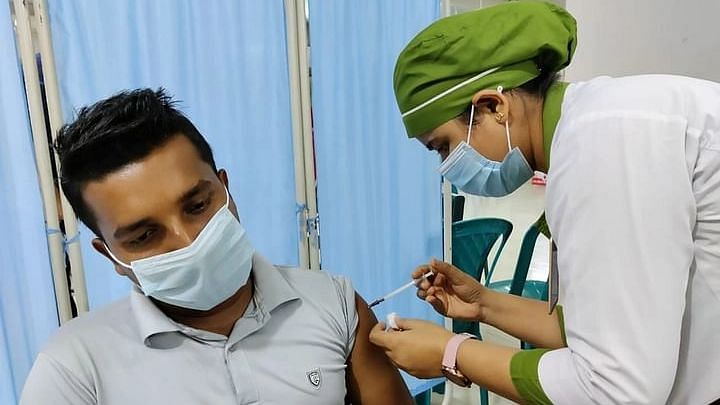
{"points": [[156, 205]]}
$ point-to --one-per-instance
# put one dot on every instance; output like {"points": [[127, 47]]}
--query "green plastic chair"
{"points": [[520, 285], [472, 242], [458, 207]]}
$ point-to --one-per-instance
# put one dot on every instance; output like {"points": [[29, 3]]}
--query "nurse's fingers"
{"points": [[411, 324], [380, 337], [420, 271], [432, 290], [436, 298], [451, 274], [439, 280], [437, 304]]}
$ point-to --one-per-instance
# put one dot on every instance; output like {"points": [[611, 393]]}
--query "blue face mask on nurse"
{"points": [[471, 171]]}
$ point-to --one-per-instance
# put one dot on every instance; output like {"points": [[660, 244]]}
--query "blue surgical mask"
{"points": [[203, 274], [474, 174]]}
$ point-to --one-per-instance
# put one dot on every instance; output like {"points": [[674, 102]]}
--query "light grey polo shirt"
{"points": [[290, 347]]}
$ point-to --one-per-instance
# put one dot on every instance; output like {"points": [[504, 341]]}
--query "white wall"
{"points": [[624, 37]]}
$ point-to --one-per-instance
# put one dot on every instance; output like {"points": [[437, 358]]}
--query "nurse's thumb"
{"points": [[446, 269], [405, 323]]}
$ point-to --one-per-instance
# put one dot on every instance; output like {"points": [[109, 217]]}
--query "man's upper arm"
{"points": [[49, 382], [371, 377]]}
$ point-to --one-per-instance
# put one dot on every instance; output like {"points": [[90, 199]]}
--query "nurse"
{"points": [[633, 203]]}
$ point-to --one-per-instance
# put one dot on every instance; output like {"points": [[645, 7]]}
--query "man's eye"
{"points": [[198, 208], [142, 238]]}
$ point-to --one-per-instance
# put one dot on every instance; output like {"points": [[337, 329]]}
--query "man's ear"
{"points": [[494, 103], [222, 175], [100, 246]]}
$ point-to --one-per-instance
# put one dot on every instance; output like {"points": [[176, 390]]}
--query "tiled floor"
{"points": [[522, 208]]}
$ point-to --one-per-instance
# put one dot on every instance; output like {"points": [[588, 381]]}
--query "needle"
{"points": [[412, 283]]}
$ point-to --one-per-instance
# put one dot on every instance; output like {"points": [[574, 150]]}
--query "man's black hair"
{"points": [[115, 132]]}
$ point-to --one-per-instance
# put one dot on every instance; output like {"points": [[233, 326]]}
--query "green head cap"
{"points": [[506, 45]]}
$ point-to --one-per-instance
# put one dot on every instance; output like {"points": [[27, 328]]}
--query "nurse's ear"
{"points": [[492, 104]]}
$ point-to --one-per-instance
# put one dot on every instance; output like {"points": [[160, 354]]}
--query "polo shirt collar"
{"points": [[271, 291]]}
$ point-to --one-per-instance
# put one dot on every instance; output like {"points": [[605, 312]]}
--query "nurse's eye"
{"points": [[443, 150]]}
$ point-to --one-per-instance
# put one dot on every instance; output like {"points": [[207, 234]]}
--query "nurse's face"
{"points": [[488, 136]]}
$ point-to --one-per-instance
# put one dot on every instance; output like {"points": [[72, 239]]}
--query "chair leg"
{"points": [[423, 398], [484, 397]]}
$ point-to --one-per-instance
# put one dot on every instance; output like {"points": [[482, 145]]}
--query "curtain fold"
{"points": [[378, 192]]}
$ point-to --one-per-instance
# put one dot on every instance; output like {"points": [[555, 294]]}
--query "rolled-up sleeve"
{"points": [[621, 208]]}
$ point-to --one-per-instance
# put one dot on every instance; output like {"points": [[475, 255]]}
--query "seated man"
{"points": [[209, 320]]}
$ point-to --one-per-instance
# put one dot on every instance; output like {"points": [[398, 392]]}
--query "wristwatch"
{"points": [[449, 361]]}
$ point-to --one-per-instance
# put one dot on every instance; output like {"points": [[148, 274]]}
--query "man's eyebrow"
{"points": [[201, 186], [198, 188], [124, 230]]}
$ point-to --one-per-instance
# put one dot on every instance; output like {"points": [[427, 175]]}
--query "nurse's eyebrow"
{"points": [[430, 145]]}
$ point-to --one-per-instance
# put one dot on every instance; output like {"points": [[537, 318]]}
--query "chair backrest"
{"points": [[458, 206], [524, 258], [472, 241]]}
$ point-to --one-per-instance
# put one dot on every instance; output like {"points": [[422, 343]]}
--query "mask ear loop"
{"points": [[118, 261], [472, 116], [507, 127], [507, 134], [227, 197]]}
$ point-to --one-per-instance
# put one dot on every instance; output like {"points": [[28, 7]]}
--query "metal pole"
{"points": [[52, 92], [297, 134], [447, 229], [307, 126], [447, 256], [42, 160]]}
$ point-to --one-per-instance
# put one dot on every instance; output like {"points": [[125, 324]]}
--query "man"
{"points": [[209, 320]]}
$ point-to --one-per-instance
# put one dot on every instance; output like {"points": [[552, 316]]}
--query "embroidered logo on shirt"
{"points": [[315, 378]]}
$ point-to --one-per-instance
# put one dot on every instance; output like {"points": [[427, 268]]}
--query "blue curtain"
{"points": [[227, 61], [378, 192], [28, 314]]}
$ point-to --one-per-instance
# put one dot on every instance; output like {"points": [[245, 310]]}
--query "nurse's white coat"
{"points": [[633, 202]]}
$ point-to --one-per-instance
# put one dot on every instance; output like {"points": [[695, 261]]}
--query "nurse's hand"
{"points": [[452, 293], [417, 347]]}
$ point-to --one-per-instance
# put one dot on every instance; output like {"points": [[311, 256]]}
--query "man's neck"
{"points": [[220, 319]]}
